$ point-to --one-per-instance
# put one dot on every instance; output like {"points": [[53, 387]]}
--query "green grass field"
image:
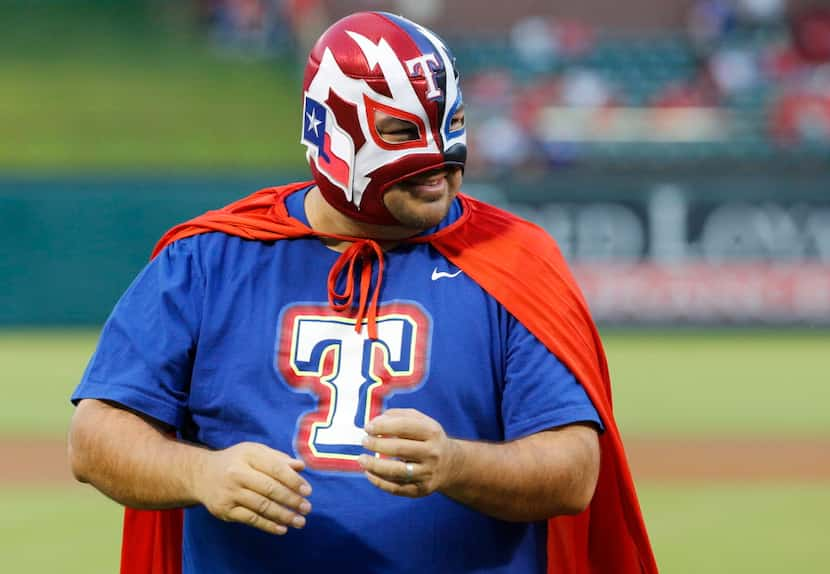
{"points": [[738, 528], [712, 383], [711, 529], [681, 384], [69, 530], [689, 384], [111, 88], [40, 370]]}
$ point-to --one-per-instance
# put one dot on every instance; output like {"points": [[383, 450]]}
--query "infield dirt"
{"points": [[34, 462]]}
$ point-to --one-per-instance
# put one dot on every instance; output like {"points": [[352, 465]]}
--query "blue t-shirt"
{"points": [[232, 340]]}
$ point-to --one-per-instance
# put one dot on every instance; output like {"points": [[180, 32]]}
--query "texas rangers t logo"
{"points": [[319, 352], [420, 66]]}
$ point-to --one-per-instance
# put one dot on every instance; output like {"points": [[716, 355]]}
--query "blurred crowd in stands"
{"points": [[264, 28], [260, 28], [745, 80]]}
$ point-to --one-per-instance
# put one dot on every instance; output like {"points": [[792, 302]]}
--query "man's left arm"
{"points": [[544, 474]]}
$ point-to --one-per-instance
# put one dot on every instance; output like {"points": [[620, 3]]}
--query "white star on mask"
{"points": [[313, 122]]}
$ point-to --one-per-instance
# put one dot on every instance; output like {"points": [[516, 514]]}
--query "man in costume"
{"points": [[368, 372]]}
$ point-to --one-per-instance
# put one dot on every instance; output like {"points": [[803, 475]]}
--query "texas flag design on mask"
{"points": [[334, 148]]}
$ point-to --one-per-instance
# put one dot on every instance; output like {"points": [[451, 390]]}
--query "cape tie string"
{"points": [[364, 251]]}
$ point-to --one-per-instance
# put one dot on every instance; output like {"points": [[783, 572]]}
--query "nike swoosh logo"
{"points": [[443, 274]]}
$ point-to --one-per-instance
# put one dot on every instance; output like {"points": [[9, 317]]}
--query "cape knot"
{"points": [[363, 252]]}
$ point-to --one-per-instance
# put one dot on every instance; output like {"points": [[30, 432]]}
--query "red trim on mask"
{"points": [[372, 106], [348, 118]]}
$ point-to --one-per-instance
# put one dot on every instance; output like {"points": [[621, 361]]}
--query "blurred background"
{"points": [[679, 151]]}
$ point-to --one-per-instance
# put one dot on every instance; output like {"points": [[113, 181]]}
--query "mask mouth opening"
{"points": [[427, 176], [424, 172]]}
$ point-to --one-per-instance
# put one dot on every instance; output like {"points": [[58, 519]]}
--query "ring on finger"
{"points": [[410, 471]]}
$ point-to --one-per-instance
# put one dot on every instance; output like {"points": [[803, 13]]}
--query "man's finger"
{"points": [[267, 487], [406, 449], [410, 490], [283, 469], [393, 470], [404, 413], [270, 510], [251, 518], [410, 427]]}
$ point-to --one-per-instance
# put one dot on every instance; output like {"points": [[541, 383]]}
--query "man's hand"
{"points": [[545, 474], [255, 485], [423, 456], [137, 462]]}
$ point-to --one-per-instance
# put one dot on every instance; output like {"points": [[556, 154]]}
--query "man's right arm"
{"points": [[137, 462]]}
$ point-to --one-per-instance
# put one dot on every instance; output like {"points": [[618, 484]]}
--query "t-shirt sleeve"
{"points": [[145, 353], [540, 392]]}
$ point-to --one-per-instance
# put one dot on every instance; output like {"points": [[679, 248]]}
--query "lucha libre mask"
{"points": [[368, 62]]}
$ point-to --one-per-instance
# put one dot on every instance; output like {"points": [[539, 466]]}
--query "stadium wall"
{"points": [[703, 248]]}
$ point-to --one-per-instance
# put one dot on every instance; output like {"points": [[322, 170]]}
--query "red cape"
{"points": [[520, 266]]}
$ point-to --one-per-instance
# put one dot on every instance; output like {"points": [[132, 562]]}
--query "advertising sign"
{"points": [[670, 254]]}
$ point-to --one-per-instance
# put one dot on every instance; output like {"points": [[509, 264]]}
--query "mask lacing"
{"points": [[366, 252]]}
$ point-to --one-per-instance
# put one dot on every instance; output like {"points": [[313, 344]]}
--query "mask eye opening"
{"points": [[452, 129], [405, 131], [394, 130], [458, 122]]}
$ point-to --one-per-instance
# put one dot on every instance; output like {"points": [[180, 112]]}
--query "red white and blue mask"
{"points": [[368, 62]]}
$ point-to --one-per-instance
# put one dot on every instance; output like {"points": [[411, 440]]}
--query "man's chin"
{"points": [[424, 201], [417, 213]]}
